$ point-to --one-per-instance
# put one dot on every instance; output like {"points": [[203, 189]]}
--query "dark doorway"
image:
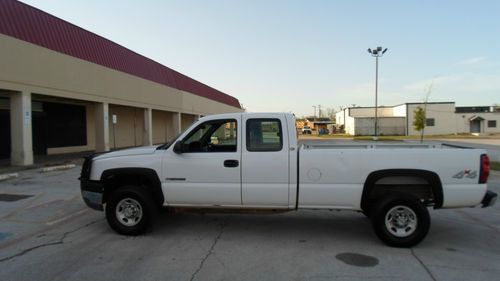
{"points": [[53, 125], [65, 124], [475, 123], [475, 126], [39, 133], [4, 134]]}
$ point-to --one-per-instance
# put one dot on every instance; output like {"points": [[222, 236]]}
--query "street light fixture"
{"points": [[378, 52]]}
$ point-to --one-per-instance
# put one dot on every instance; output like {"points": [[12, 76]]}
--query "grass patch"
{"points": [[495, 165], [336, 136]]}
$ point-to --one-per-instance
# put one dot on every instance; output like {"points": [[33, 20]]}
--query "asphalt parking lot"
{"points": [[50, 235]]}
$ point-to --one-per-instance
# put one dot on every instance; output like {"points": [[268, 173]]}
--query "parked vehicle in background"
{"points": [[323, 131], [306, 130], [252, 161]]}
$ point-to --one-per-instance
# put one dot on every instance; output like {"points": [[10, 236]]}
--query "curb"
{"points": [[57, 168], [8, 176]]}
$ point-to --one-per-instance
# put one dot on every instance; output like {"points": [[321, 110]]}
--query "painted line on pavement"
{"points": [[57, 168], [8, 176]]}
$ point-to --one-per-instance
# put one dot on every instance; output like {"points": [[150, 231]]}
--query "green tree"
{"points": [[419, 121], [420, 113]]}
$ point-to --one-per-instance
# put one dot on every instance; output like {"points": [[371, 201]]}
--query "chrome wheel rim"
{"points": [[129, 212], [401, 221]]}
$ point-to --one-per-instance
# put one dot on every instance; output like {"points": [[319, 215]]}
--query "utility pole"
{"points": [[378, 52], [319, 110]]}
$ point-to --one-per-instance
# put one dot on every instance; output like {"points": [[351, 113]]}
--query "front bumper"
{"points": [[489, 199], [92, 193]]}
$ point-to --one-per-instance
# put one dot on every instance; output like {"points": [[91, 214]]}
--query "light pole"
{"points": [[378, 52]]}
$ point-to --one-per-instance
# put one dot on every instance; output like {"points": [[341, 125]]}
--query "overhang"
{"points": [[32, 25]]}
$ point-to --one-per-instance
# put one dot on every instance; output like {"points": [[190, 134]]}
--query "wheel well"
{"points": [[423, 184], [143, 177]]}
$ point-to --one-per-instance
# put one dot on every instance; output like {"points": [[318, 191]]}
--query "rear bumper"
{"points": [[92, 193], [489, 199]]}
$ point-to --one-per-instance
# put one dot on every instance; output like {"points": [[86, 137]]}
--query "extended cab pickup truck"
{"points": [[253, 161]]}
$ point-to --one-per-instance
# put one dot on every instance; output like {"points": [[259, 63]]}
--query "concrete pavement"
{"points": [[51, 235]]}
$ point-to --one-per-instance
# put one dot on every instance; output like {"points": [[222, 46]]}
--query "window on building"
{"points": [[212, 136], [430, 122], [492, 123], [264, 135]]}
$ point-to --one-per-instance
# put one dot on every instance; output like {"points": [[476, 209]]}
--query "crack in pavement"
{"points": [[47, 244], [210, 251], [422, 264], [330, 277]]}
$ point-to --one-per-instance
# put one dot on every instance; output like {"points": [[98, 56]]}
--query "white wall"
{"points": [[349, 124], [443, 114], [463, 123], [339, 116], [399, 110], [370, 111], [388, 126], [396, 120]]}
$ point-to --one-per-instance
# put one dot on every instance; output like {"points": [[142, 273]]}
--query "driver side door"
{"points": [[207, 172]]}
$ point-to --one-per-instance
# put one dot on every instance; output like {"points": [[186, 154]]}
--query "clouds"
{"points": [[463, 82], [469, 88], [470, 61], [464, 88]]}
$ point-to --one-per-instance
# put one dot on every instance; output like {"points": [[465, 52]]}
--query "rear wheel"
{"points": [[130, 210], [401, 220]]}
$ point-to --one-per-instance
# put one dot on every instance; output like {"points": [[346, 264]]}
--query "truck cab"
{"points": [[236, 160]]}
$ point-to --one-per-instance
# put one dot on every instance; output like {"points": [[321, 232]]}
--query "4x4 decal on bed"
{"points": [[466, 173]]}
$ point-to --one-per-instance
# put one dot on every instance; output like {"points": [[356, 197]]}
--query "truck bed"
{"points": [[332, 175]]}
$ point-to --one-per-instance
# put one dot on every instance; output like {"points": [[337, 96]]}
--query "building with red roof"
{"points": [[65, 89]]}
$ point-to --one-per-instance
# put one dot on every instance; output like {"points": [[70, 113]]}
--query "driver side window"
{"points": [[212, 136]]}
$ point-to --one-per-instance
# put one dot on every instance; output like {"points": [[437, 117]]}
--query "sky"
{"points": [[288, 55]]}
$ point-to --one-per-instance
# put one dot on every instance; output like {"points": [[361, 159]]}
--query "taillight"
{"points": [[484, 171]]}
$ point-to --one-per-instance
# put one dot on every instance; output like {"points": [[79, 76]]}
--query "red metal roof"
{"points": [[27, 23]]}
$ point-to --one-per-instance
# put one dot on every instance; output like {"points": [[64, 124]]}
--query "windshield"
{"points": [[168, 144]]}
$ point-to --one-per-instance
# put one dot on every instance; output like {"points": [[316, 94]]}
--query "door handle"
{"points": [[231, 163], [175, 179]]}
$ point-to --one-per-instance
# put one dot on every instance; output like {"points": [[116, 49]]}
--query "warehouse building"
{"points": [[64, 89], [441, 118]]}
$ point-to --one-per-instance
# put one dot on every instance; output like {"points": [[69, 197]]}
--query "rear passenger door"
{"points": [[265, 159]]}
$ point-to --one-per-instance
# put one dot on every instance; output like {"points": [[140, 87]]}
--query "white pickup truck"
{"points": [[252, 161]]}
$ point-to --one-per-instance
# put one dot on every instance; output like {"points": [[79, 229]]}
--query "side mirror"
{"points": [[179, 147]]}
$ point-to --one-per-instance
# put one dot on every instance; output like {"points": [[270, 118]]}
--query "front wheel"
{"points": [[130, 210], [401, 220]]}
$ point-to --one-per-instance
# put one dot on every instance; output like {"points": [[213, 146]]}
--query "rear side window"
{"points": [[264, 135]]}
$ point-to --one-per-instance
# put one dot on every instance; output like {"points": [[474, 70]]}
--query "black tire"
{"points": [[410, 229], [366, 213], [139, 201]]}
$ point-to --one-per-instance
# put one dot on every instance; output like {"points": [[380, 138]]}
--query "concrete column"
{"points": [[20, 129], [148, 127], [176, 122], [102, 127]]}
